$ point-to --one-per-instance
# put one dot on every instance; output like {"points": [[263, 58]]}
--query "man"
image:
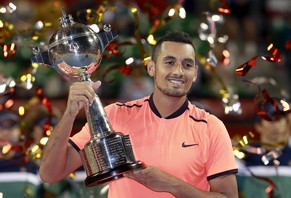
{"points": [[187, 151], [9, 126], [12, 155], [265, 169], [274, 136]]}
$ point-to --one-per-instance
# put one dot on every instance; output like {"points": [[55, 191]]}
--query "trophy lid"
{"points": [[66, 20], [69, 31], [75, 49]]}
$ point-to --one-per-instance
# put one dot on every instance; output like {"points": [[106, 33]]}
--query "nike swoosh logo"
{"points": [[188, 145]]}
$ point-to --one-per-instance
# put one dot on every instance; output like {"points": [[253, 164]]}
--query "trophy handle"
{"points": [[106, 38], [95, 114], [41, 57], [97, 119]]}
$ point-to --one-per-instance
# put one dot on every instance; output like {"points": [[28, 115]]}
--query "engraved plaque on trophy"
{"points": [[75, 51]]}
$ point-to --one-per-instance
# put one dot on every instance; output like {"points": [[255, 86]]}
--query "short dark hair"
{"points": [[8, 119], [174, 36]]}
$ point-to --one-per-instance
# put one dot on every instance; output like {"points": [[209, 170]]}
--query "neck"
{"points": [[166, 105]]}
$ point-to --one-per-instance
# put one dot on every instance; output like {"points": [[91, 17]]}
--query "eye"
{"points": [[169, 62], [188, 65]]}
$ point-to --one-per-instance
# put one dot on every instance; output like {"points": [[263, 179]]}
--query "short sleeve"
{"points": [[221, 159], [83, 136]]}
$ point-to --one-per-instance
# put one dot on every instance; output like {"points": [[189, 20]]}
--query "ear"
{"points": [[195, 77], [258, 128], [151, 67]]}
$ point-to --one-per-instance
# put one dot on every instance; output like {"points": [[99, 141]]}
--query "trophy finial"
{"points": [[66, 20], [107, 27], [63, 11], [36, 50]]}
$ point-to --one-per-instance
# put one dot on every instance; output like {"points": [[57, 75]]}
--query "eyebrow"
{"points": [[169, 57], [189, 60], [172, 57]]}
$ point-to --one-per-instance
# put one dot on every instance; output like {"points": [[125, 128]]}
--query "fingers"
{"points": [[137, 173], [96, 85], [84, 91], [80, 95]]}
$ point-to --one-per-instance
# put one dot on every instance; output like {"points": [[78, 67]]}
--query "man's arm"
{"points": [[59, 157], [157, 180]]}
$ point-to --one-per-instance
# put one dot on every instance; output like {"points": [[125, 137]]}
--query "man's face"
{"points": [[11, 135], [175, 69], [274, 132]]}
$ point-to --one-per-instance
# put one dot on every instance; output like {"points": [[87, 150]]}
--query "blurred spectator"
{"points": [[274, 136], [13, 156], [9, 126], [266, 168], [38, 122]]}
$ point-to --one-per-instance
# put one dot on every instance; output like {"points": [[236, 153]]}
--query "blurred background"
{"points": [[227, 35], [243, 53]]}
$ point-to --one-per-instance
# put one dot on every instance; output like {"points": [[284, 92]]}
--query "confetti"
{"points": [[245, 68], [275, 56]]}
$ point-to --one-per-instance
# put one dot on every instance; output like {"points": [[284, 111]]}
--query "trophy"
{"points": [[75, 51]]}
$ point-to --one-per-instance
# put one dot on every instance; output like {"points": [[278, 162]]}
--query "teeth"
{"points": [[176, 82]]}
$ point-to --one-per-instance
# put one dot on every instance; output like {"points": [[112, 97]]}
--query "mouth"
{"points": [[176, 82]]}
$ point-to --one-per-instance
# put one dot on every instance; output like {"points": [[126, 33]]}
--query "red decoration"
{"points": [[288, 45], [45, 101], [125, 69], [271, 109], [9, 50], [244, 68], [152, 7], [272, 185], [113, 47], [276, 55], [224, 9]]}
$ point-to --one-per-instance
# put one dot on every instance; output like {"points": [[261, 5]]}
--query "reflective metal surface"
{"points": [[75, 48], [75, 51]]}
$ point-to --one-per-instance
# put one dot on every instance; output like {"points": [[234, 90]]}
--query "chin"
{"points": [[176, 94]]}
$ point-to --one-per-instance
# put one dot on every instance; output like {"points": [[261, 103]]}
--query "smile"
{"points": [[177, 82]]}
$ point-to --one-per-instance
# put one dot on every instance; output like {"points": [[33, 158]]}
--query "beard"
{"points": [[169, 90], [172, 91]]}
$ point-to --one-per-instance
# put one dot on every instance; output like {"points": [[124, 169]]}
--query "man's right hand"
{"points": [[81, 94], [59, 158]]}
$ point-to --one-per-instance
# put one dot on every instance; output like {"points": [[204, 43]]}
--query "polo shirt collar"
{"points": [[177, 113]]}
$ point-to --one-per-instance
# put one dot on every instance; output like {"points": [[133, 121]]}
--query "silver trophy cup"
{"points": [[75, 51]]}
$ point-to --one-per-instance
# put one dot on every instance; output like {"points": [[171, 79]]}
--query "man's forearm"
{"points": [[53, 163], [181, 189], [160, 181], [222, 187]]}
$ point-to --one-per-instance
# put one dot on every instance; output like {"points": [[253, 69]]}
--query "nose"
{"points": [[279, 126], [178, 69]]}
